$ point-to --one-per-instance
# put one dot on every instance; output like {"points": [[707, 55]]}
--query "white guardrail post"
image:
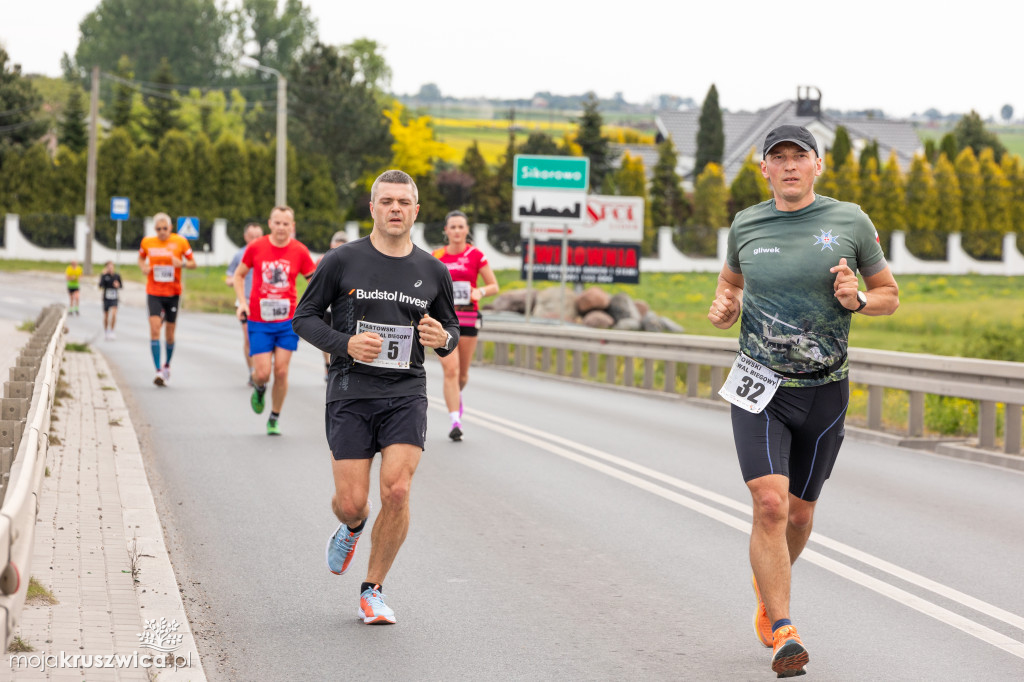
{"points": [[698, 361], [24, 428]]}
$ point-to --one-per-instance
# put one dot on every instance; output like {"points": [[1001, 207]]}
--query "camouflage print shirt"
{"points": [[791, 320]]}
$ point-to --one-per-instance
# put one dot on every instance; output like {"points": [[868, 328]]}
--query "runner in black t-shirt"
{"points": [[110, 282], [389, 300]]}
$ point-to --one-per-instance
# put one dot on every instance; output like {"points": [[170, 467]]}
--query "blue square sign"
{"points": [[119, 208], [188, 227]]}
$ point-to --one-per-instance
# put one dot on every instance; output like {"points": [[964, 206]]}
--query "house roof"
{"points": [[746, 130]]}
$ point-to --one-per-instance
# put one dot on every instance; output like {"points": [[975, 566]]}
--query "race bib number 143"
{"points": [[750, 385]]}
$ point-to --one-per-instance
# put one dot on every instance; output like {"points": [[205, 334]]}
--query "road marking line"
{"points": [[546, 441]]}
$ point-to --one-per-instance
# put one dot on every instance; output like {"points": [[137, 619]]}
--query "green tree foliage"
{"points": [[968, 173], [848, 186], [931, 151], [233, 189], [69, 182], [948, 146], [187, 33], [503, 180], [841, 147], [371, 68], [949, 217], [113, 172], [143, 169], [870, 187], [1013, 170], [541, 143], [827, 184], [668, 206], [594, 145], [482, 205], [970, 132], [211, 113], [997, 193], [124, 93], [748, 187], [710, 133], [710, 211], [73, 129], [205, 173], [870, 151], [263, 179], [162, 103], [318, 200], [20, 103], [922, 238], [888, 216], [339, 117], [631, 181], [176, 180], [273, 38], [33, 184]]}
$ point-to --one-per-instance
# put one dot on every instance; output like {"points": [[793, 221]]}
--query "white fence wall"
{"points": [[670, 259]]}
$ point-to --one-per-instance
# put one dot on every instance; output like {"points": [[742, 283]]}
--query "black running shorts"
{"points": [[798, 435], [361, 427], [165, 305]]}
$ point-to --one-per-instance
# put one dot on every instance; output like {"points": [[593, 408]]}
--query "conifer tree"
{"points": [[162, 104], [870, 151], [888, 216], [204, 175], [121, 111], [594, 145], [949, 147], [949, 217], [233, 191], [33, 184], [73, 130], [113, 175], [710, 133], [996, 201], [968, 173], [922, 209], [262, 177], [970, 132], [669, 207], [870, 186], [175, 181], [848, 185], [827, 184], [1013, 170], [319, 199], [631, 181], [482, 204], [841, 147], [710, 210], [143, 166], [748, 187], [69, 181]]}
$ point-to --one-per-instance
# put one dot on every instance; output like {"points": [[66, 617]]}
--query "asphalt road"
{"points": [[576, 533]]}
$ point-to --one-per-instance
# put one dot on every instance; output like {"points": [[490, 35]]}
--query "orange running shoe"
{"points": [[762, 624], [790, 656]]}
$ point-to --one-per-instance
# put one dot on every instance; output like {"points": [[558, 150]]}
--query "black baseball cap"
{"points": [[798, 135]]}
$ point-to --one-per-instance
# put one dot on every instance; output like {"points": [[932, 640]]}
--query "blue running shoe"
{"points": [[372, 608], [341, 547]]}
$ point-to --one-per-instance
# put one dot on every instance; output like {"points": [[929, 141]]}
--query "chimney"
{"points": [[806, 104]]}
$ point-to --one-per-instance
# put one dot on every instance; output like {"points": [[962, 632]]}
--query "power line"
{"points": [[12, 112], [145, 90]]}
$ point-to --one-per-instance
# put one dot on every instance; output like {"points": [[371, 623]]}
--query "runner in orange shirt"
{"points": [[161, 258]]}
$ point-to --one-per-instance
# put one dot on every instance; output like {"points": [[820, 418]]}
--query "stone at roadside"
{"points": [[512, 301], [651, 322], [593, 298], [622, 307], [671, 326], [642, 306], [628, 324], [598, 319], [549, 304]]}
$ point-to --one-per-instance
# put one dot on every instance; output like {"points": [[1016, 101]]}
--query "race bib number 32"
{"points": [[750, 385], [396, 347]]}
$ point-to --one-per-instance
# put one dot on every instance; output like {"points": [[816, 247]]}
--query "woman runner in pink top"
{"points": [[467, 264]]}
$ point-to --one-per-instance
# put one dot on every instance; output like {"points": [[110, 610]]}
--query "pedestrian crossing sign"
{"points": [[188, 227]]}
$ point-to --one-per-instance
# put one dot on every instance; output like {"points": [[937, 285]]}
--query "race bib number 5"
{"points": [[462, 292], [397, 344], [750, 385]]}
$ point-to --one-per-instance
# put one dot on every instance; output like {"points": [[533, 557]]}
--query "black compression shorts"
{"points": [[798, 435], [359, 428], [166, 306]]}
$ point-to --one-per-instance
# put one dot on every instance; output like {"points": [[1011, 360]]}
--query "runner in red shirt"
{"points": [[276, 261], [466, 264]]}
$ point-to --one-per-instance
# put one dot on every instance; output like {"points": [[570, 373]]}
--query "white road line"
{"points": [[561, 446]]}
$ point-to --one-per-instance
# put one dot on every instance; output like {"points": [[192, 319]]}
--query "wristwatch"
{"points": [[447, 340], [863, 298]]}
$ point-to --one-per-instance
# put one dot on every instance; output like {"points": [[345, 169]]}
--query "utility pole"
{"points": [[90, 172], [281, 169]]}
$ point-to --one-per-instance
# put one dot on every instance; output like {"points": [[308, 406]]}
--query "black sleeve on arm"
{"points": [[442, 309], [308, 322]]}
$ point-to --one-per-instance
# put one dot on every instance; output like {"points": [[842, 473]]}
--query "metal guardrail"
{"points": [[24, 439], [561, 348]]}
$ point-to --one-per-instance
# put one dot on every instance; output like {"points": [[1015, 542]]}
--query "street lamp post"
{"points": [[281, 168]]}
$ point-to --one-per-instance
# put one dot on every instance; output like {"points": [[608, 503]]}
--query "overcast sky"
{"points": [[900, 57]]}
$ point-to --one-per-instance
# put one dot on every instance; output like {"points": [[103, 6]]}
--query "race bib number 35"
{"points": [[750, 385], [462, 291], [396, 347]]}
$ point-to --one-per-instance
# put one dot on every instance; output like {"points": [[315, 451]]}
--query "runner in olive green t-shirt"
{"points": [[792, 261]]}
